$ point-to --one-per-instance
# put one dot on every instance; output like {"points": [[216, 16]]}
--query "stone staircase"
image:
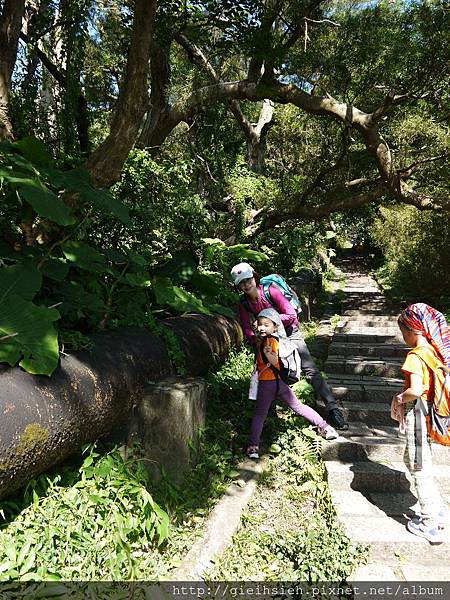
{"points": [[370, 485]]}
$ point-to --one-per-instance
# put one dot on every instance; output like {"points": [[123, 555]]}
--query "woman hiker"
{"points": [[246, 280]]}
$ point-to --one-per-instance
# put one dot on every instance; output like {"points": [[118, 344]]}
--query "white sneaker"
{"points": [[253, 452], [329, 433], [434, 534]]}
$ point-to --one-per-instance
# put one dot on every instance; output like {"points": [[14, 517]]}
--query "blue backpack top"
{"points": [[279, 282]]}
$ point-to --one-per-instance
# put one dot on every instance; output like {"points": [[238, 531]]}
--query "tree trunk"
{"points": [[257, 138], [160, 81], [10, 25], [105, 164], [44, 420]]}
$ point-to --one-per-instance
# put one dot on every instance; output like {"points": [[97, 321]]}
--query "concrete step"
{"points": [[382, 444], [368, 320], [348, 448], [359, 388], [387, 477], [370, 413], [360, 365], [388, 537], [375, 307], [368, 350], [369, 336], [366, 330]]}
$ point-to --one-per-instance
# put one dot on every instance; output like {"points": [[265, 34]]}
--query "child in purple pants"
{"points": [[271, 386]]}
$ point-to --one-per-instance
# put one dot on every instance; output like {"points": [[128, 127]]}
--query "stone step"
{"points": [[390, 540], [372, 413], [367, 350], [382, 444], [376, 331], [357, 388], [370, 336], [360, 365], [388, 477], [368, 321], [377, 308]]}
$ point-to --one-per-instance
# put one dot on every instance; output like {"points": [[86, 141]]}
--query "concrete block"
{"points": [[167, 420]]}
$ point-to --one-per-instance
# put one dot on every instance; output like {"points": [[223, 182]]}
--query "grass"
{"points": [[289, 531], [102, 518]]}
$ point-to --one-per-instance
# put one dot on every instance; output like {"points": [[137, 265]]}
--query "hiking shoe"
{"points": [[336, 418], [434, 534], [329, 433], [442, 518], [252, 452]]}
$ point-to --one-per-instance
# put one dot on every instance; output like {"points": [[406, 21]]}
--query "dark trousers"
{"points": [[312, 373]]}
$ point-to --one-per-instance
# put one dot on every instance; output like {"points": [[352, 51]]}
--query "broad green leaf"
{"points": [[84, 256], [221, 310], [55, 268], [138, 279], [35, 338], [182, 301], [78, 181], [233, 473], [180, 268], [243, 253], [76, 298], [45, 202], [105, 202], [23, 553], [22, 279], [206, 284], [275, 449], [33, 150], [5, 566]]}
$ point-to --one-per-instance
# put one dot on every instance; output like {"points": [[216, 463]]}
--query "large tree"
{"points": [[359, 72]]}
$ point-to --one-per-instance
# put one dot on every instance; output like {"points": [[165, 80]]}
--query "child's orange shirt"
{"points": [[265, 373], [414, 365]]}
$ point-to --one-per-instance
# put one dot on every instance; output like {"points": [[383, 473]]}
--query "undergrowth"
{"points": [[289, 531], [102, 518]]}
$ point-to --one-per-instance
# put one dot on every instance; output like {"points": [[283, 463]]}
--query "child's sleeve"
{"points": [[412, 365]]}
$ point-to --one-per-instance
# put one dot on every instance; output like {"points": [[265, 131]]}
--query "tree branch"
{"points": [[406, 172], [105, 164], [308, 212]]}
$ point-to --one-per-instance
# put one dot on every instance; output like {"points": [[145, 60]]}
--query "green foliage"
{"points": [[416, 251], [174, 351], [64, 264], [28, 335], [290, 531], [223, 257], [94, 522]]}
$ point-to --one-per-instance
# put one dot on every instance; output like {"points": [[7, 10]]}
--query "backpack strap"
{"points": [[428, 357], [266, 290]]}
